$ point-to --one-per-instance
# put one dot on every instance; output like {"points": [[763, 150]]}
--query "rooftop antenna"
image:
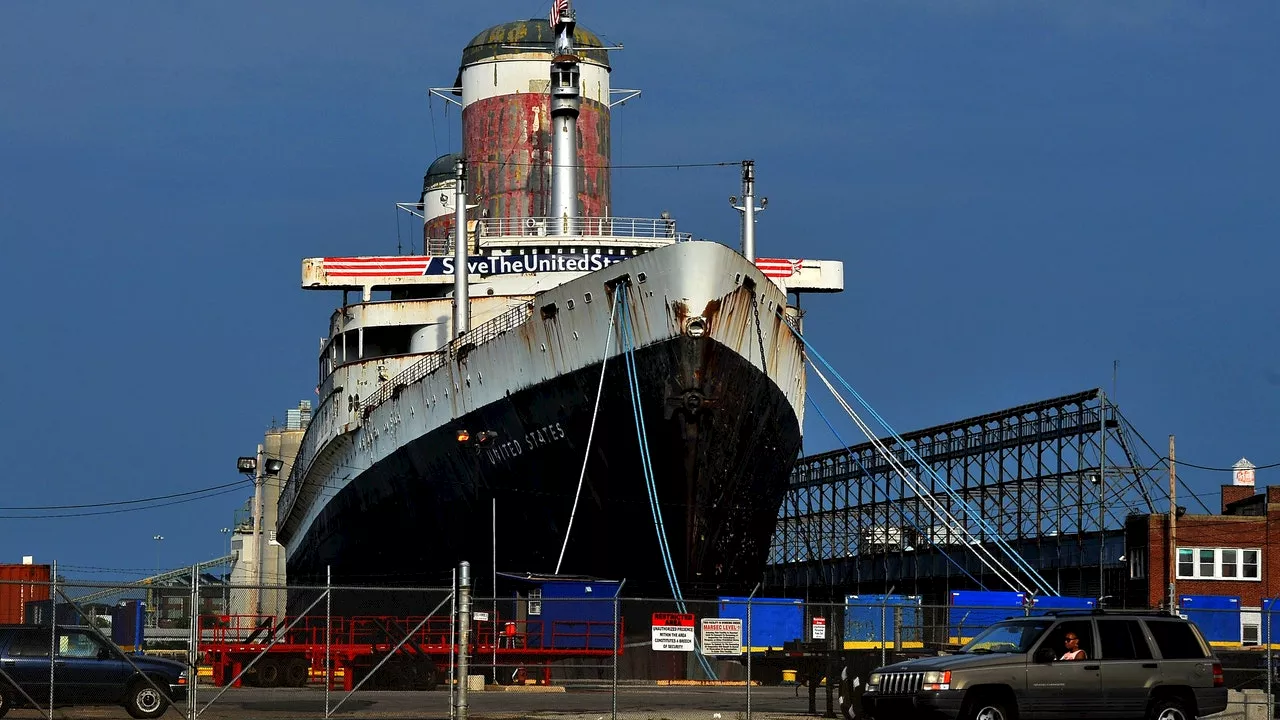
{"points": [[565, 103]]}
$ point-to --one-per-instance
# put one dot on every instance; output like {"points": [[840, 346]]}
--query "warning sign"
{"points": [[819, 628], [673, 632], [721, 636]]}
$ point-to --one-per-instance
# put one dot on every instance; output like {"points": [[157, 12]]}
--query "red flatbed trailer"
{"points": [[293, 652]]}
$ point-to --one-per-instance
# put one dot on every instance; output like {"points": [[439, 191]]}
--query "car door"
{"points": [[1063, 689], [26, 661], [1128, 666], [88, 670]]}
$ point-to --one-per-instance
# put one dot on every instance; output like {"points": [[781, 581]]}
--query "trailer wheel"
{"points": [[268, 673], [427, 678], [297, 672]]}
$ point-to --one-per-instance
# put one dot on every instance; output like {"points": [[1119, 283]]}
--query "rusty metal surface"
{"points": [[509, 155], [496, 42]]}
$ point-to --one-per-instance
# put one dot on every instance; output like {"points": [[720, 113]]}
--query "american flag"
{"points": [[778, 267], [383, 266], [558, 7]]}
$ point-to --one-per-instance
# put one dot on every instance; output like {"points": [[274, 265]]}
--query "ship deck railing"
{"points": [[479, 335], [320, 432], [529, 228]]}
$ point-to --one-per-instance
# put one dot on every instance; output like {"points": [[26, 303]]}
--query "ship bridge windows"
{"points": [[371, 342]]}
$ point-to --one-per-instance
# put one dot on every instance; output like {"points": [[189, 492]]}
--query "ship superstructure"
{"points": [[470, 377]]}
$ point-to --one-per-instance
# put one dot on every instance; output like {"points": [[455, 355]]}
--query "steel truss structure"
{"points": [[1045, 477]]}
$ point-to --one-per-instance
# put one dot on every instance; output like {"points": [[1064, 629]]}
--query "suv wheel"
{"points": [[1169, 709], [5, 704], [850, 707], [989, 708], [145, 701]]}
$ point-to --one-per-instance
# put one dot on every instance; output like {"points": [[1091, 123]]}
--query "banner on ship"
{"points": [[535, 262]]}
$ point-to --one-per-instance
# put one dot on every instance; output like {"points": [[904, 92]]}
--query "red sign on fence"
{"points": [[670, 619]]}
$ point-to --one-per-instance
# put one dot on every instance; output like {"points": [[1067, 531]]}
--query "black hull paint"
{"points": [[722, 438]]}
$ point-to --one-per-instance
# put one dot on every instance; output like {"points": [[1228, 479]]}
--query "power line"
{"points": [[647, 166], [120, 502], [1182, 463], [118, 511]]}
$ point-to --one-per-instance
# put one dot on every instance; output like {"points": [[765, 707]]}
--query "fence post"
{"points": [[617, 639], [53, 629], [193, 638], [884, 602], [748, 639], [328, 635], [453, 626], [464, 634]]}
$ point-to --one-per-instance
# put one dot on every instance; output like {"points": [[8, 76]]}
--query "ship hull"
{"points": [[720, 456]]}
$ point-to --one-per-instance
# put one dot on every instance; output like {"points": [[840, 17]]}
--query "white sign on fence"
{"points": [[673, 631], [721, 636], [819, 628]]}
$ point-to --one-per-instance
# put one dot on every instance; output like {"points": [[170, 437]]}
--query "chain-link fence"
{"points": [[186, 644]]}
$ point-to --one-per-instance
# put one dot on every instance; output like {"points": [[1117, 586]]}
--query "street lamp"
{"points": [[226, 579], [157, 538], [154, 599]]}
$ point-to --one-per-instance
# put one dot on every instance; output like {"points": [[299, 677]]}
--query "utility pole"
{"points": [[1172, 560], [257, 532], [1102, 496]]}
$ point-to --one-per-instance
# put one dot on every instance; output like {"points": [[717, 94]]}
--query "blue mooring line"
{"points": [[628, 349], [868, 474]]}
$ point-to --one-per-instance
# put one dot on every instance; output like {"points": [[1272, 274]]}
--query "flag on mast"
{"points": [[558, 7]]}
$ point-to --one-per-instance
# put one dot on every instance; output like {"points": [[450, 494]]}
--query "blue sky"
{"points": [[1022, 193]]}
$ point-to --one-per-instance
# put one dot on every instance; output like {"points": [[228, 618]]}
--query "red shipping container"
{"points": [[21, 584]]}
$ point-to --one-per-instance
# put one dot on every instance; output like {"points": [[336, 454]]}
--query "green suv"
{"points": [[1151, 665]]}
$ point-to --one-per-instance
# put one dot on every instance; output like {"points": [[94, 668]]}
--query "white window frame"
{"points": [[1216, 572], [1250, 620]]}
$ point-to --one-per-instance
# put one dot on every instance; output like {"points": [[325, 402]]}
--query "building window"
{"points": [[1218, 564], [1250, 626], [1186, 562], [1137, 563]]}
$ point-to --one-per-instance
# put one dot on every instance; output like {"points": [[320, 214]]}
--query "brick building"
{"points": [[1228, 554]]}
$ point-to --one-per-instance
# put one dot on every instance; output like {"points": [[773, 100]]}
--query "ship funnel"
{"points": [[566, 99]]}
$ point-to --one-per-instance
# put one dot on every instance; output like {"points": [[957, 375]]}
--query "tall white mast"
{"points": [[565, 103]]}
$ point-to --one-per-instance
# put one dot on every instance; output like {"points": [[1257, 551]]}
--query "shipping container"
{"points": [[127, 623], [19, 585], [1217, 616], [574, 615], [37, 613], [774, 621], [891, 621], [972, 611], [1048, 603]]}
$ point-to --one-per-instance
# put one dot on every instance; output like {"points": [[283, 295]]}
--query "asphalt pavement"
{"points": [[575, 703]]}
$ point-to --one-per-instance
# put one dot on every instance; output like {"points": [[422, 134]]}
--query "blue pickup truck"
{"points": [[86, 670]]}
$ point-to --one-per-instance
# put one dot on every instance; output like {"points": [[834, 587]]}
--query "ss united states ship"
{"points": [[485, 372]]}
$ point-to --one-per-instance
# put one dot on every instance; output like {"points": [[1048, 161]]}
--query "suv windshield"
{"points": [[1009, 636]]}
